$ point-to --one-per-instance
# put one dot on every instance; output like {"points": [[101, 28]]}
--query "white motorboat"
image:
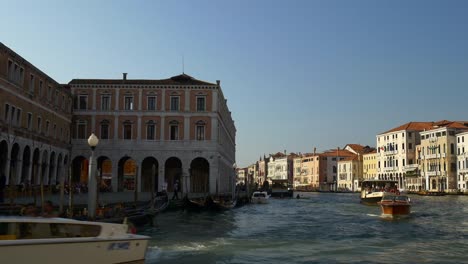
{"points": [[59, 240], [260, 197]]}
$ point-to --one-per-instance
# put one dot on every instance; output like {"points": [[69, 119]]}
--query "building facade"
{"points": [[369, 164], [35, 118], [396, 151], [462, 159], [438, 155], [153, 132]]}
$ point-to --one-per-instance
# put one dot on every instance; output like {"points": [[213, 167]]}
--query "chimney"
{"points": [[124, 76], [218, 82]]}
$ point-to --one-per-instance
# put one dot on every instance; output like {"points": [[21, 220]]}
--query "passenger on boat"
{"points": [[29, 210]]}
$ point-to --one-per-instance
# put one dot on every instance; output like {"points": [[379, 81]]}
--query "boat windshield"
{"points": [[259, 195], [35, 230], [401, 198], [387, 198]]}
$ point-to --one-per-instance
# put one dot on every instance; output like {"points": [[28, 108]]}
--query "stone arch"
{"points": [[127, 173], [173, 172], [149, 174], [200, 175]]}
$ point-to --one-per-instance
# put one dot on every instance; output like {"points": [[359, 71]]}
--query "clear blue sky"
{"points": [[297, 74]]}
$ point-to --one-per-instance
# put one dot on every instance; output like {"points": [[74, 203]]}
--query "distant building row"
{"points": [[430, 156]]}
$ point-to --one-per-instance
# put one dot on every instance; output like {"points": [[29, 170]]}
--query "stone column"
{"points": [[116, 128], [163, 100], [93, 124], [187, 127], [163, 125], [140, 99], [19, 171], [94, 99], [187, 101], [7, 169], [117, 99], [115, 176], [30, 169], [139, 128], [161, 176]]}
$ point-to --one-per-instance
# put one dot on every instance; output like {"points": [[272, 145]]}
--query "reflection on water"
{"points": [[324, 228]]}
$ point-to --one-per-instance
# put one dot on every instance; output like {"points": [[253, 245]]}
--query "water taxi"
{"points": [[260, 197], [395, 205], [372, 191], [61, 240]]}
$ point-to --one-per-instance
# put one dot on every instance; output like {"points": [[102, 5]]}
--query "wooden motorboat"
{"points": [[395, 205], [59, 240], [260, 197]]}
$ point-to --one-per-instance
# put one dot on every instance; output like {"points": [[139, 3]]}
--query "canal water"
{"points": [[321, 228]]}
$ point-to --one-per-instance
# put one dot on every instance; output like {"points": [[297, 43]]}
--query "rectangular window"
{"points": [[10, 70], [200, 133], [201, 103], [410, 145], [18, 117], [55, 131], [452, 149], [175, 103], [12, 117], [410, 161], [49, 94], [410, 134], [39, 124], [151, 102], [82, 102], [105, 102], [56, 103], [81, 130], [47, 128], [31, 84], [403, 146], [150, 129], [403, 162], [104, 131], [127, 131], [7, 112], [41, 92], [128, 102], [29, 120], [21, 76], [63, 102], [174, 132]]}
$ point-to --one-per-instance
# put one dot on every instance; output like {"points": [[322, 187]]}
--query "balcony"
{"points": [[433, 173], [432, 156], [410, 167], [390, 152], [390, 169]]}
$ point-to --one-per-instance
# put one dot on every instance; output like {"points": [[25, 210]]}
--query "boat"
{"points": [[281, 189], [59, 240], [223, 202], [197, 203], [430, 193], [395, 205], [372, 191], [260, 197]]}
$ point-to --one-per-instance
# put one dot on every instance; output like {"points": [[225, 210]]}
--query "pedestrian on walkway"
{"points": [[176, 190]]}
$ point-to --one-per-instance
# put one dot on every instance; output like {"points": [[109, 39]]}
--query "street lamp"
{"points": [[92, 184]]}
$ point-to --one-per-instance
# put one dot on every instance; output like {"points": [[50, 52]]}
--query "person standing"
{"points": [[2, 187], [176, 190]]}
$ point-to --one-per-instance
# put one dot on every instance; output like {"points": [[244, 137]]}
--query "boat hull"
{"points": [[393, 209], [256, 200], [93, 250]]}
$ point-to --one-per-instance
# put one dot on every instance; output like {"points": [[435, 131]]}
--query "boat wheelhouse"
{"points": [[372, 191]]}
